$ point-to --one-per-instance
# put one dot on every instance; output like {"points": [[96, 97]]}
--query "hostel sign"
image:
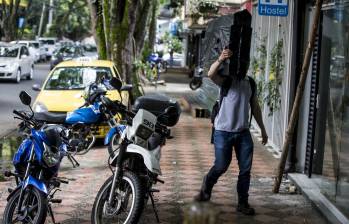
{"points": [[273, 7]]}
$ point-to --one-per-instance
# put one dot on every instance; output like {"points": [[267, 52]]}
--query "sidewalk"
{"points": [[185, 159]]}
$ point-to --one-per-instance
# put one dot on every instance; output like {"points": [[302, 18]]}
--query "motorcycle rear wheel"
{"points": [[34, 205], [104, 214], [194, 85]]}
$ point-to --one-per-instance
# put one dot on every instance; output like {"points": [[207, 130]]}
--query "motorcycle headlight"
{"points": [[143, 132], [50, 157], [40, 107]]}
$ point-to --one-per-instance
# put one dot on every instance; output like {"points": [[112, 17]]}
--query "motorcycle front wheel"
{"points": [[128, 201], [34, 207]]}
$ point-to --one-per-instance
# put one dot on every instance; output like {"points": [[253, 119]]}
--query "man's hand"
{"points": [[226, 53], [264, 137]]}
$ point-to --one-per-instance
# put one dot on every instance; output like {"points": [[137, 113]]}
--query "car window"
{"points": [[48, 42], [76, 78], [34, 45], [24, 51], [8, 52], [117, 73]]}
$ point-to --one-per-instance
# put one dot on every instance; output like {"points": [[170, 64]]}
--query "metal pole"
{"points": [[42, 19], [50, 16]]}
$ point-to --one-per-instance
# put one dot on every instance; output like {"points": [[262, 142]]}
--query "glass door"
{"points": [[332, 136]]}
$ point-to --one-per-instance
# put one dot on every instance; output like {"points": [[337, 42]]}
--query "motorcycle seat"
{"points": [[49, 117]]}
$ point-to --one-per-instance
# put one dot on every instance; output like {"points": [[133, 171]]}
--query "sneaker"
{"points": [[245, 209], [202, 197]]}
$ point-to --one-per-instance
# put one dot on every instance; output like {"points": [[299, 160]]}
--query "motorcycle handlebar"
{"points": [[20, 114]]}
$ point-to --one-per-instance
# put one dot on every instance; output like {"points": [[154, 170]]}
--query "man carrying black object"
{"points": [[232, 129]]}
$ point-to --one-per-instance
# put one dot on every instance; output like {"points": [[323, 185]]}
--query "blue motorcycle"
{"points": [[92, 112], [156, 61], [36, 163]]}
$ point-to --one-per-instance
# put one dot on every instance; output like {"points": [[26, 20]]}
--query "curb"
{"points": [[313, 193]]}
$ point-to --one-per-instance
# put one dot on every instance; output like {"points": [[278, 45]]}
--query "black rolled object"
{"points": [[232, 31]]}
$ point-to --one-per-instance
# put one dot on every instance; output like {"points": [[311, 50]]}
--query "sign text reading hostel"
{"points": [[273, 7]]}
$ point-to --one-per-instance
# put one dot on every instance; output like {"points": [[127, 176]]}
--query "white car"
{"points": [[15, 63], [35, 49], [49, 44]]}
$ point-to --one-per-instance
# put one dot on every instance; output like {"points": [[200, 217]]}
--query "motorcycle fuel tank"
{"points": [[86, 115]]}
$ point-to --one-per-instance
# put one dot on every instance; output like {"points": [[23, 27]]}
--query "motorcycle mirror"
{"points": [[25, 98], [116, 83]]}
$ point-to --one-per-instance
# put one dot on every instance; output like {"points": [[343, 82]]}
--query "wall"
{"points": [[274, 29]]}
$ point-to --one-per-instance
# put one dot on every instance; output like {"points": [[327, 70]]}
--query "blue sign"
{"points": [[273, 7]]}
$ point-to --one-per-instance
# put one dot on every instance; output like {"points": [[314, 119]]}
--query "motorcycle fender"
{"points": [[13, 192], [118, 130], [109, 135], [35, 183], [151, 158]]}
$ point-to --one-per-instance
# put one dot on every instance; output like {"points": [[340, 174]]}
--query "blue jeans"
{"points": [[223, 144]]}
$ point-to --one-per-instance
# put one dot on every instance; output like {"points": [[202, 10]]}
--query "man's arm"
{"points": [[257, 114], [212, 73]]}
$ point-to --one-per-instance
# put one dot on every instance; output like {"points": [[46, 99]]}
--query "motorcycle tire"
{"points": [[41, 211], [103, 195], [194, 85]]}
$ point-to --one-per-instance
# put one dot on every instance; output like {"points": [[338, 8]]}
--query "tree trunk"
{"points": [[152, 26], [98, 28], [9, 19], [117, 32], [106, 27], [129, 49], [298, 98], [142, 22]]}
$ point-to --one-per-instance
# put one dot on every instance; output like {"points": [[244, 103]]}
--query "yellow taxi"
{"points": [[62, 91]]}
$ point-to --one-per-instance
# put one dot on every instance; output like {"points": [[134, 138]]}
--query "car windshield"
{"points": [[66, 51], [48, 42], [76, 78], [90, 48], [8, 52]]}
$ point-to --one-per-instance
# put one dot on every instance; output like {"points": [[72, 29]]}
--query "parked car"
{"points": [[90, 51], [49, 45], [175, 61], [35, 49], [63, 89], [16, 63], [65, 53]]}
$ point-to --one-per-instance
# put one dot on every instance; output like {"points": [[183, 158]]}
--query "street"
{"points": [[9, 99]]}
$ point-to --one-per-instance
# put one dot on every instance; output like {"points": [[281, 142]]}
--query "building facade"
{"points": [[320, 148]]}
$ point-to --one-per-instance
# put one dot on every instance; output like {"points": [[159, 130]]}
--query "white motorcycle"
{"points": [[136, 164]]}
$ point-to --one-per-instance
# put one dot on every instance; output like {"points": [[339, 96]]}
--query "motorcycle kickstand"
{"points": [[50, 212], [154, 207]]}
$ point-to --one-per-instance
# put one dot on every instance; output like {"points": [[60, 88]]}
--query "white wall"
{"points": [[276, 28]]}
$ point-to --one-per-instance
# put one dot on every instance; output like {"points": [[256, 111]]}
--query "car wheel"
{"points": [[18, 76], [31, 74]]}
